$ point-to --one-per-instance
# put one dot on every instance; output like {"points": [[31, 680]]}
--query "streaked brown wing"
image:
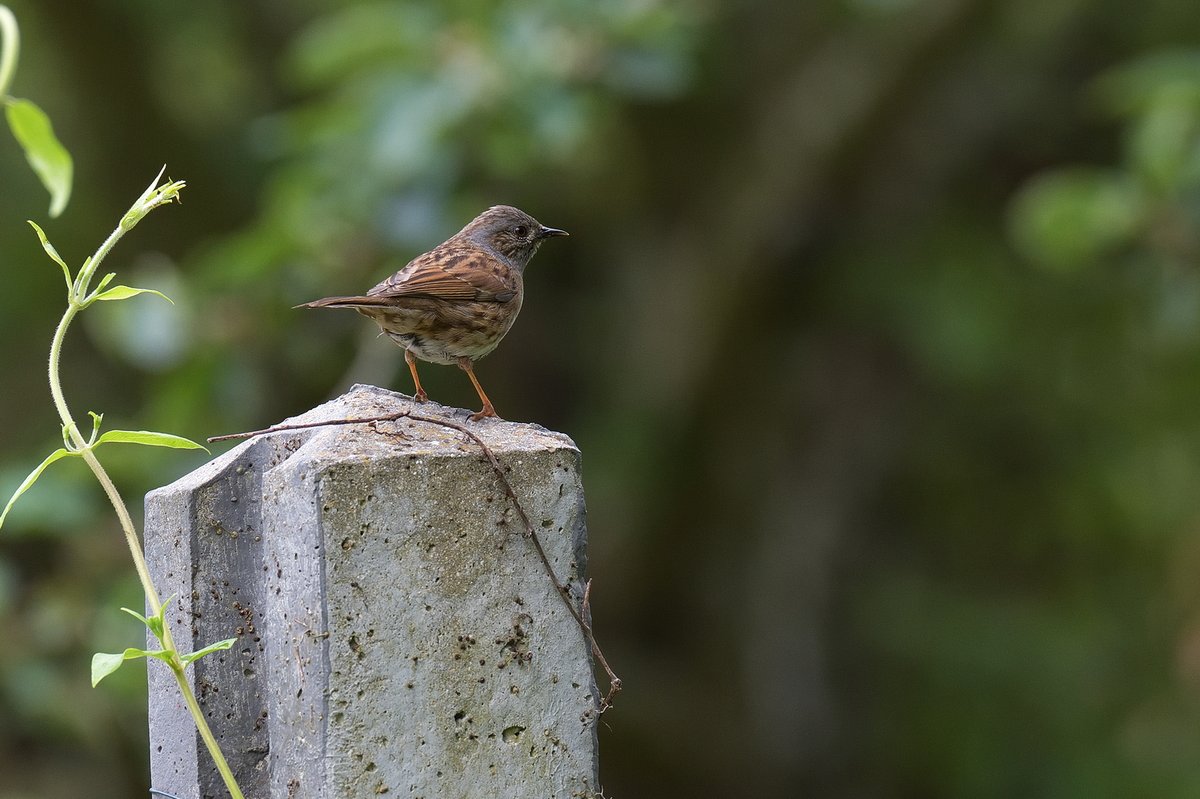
{"points": [[451, 273]]}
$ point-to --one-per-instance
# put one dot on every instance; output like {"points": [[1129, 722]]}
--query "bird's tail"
{"points": [[342, 302]]}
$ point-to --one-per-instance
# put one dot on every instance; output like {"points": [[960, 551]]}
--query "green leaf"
{"points": [[104, 281], [1075, 216], [46, 155], [192, 657], [153, 623], [53, 253], [1163, 139], [125, 292], [97, 418], [157, 622], [32, 478], [149, 439], [104, 664], [137, 616], [150, 189], [1132, 88], [154, 196]]}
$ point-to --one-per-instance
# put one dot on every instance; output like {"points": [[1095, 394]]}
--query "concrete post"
{"points": [[397, 632]]}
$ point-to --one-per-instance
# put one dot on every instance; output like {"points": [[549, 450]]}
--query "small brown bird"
{"points": [[454, 303]]}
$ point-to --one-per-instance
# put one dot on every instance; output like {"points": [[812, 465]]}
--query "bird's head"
{"points": [[510, 232]]}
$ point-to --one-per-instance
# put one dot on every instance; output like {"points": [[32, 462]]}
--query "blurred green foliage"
{"points": [[879, 328], [1074, 216]]}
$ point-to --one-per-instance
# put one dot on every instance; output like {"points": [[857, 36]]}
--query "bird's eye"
{"points": [[521, 231]]}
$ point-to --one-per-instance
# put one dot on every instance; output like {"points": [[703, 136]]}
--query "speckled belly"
{"points": [[443, 333]]}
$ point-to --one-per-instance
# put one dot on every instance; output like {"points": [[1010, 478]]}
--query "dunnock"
{"points": [[454, 303]]}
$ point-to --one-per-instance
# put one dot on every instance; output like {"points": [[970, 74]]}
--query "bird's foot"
{"points": [[420, 396], [488, 412]]}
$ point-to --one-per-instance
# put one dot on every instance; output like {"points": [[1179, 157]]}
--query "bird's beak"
{"points": [[547, 232]]}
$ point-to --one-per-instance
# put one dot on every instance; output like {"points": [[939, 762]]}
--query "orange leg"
{"points": [[466, 365], [420, 396]]}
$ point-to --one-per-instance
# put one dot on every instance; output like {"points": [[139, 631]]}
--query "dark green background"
{"points": [[878, 327]]}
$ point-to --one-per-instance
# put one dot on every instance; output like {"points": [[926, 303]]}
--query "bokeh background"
{"points": [[879, 329]]}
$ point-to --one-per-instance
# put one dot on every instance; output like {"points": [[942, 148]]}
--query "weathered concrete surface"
{"points": [[397, 631], [204, 548]]}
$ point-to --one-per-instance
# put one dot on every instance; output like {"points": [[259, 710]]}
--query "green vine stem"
{"points": [[77, 300], [10, 46]]}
